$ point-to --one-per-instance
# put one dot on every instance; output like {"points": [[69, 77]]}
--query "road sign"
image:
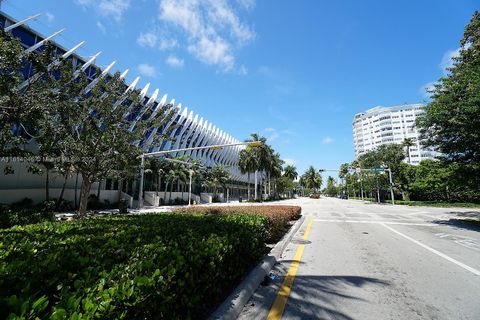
{"points": [[377, 170]]}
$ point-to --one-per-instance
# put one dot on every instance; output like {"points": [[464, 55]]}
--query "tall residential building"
{"points": [[386, 125]]}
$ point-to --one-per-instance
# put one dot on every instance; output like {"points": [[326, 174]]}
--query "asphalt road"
{"points": [[369, 261]]}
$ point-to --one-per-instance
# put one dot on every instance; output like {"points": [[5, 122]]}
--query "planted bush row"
{"points": [[24, 212], [156, 266], [278, 216]]}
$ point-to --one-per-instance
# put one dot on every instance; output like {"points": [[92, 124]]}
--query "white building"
{"points": [[192, 131], [386, 125]]}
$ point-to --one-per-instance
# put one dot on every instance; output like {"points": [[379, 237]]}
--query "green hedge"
{"points": [[278, 216], [436, 204], [157, 266], [22, 213]]}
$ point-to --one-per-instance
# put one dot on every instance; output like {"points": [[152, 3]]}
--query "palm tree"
{"points": [[248, 164], [217, 176], [275, 170], [290, 172], [262, 155], [312, 179], [407, 143]]}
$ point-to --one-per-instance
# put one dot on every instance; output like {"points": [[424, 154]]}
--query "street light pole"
{"points": [[140, 191]]}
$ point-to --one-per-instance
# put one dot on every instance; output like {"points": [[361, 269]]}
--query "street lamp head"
{"points": [[255, 144]]}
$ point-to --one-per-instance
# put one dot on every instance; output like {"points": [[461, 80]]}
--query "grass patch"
{"points": [[154, 266], [436, 204]]}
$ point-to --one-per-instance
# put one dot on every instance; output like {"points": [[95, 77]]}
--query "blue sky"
{"points": [[293, 71]]}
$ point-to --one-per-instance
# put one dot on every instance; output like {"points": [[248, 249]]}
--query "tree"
{"points": [[290, 172], [284, 184], [312, 179], [248, 164], [343, 171], [96, 135], [261, 154], [331, 190], [407, 143], [452, 119], [218, 176], [23, 108], [343, 174], [275, 169]]}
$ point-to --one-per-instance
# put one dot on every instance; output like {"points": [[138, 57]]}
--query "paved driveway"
{"points": [[352, 260]]}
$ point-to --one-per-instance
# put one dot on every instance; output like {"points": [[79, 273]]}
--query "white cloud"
{"points": [[114, 8], [167, 44], [447, 59], [213, 52], [175, 62], [289, 161], [50, 17], [243, 71], [147, 70], [246, 4], [273, 134], [327, 140], [101, 27], [426, 88], [108, 8], [212, 29], [148, 39]]}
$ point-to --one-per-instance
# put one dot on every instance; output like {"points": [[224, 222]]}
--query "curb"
{"points": [[234, 303]]}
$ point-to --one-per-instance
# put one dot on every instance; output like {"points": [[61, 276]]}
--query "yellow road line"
{"points": [[282, 296]]}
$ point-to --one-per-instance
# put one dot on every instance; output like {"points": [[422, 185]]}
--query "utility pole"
{"points": [[391, 185]]}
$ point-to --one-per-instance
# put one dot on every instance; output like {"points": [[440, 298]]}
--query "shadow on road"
{"points": [[469, 224], [326, 295]]}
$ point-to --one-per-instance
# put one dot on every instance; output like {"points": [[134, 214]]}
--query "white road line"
{"points": [[438, 253], [377, 222]]}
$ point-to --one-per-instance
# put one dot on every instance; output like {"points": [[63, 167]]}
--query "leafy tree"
{"points": [[343, 171], [452, 119], [285, 184], [290, 172], [261, 153], [248, 163], [22, 111], [96, 135], [331, 190], [407, 143], [312, 179], [217, 177]]}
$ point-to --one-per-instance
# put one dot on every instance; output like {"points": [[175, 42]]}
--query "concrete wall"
{"points": [[38, 195], [153, 199]]}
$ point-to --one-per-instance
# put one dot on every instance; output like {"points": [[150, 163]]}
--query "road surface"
{"points": [[369, 261]]}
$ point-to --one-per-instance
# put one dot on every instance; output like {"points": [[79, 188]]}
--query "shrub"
{"points": [[11, 215], [179, 201], [25, 203], [153, 266], [278, 216]]}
